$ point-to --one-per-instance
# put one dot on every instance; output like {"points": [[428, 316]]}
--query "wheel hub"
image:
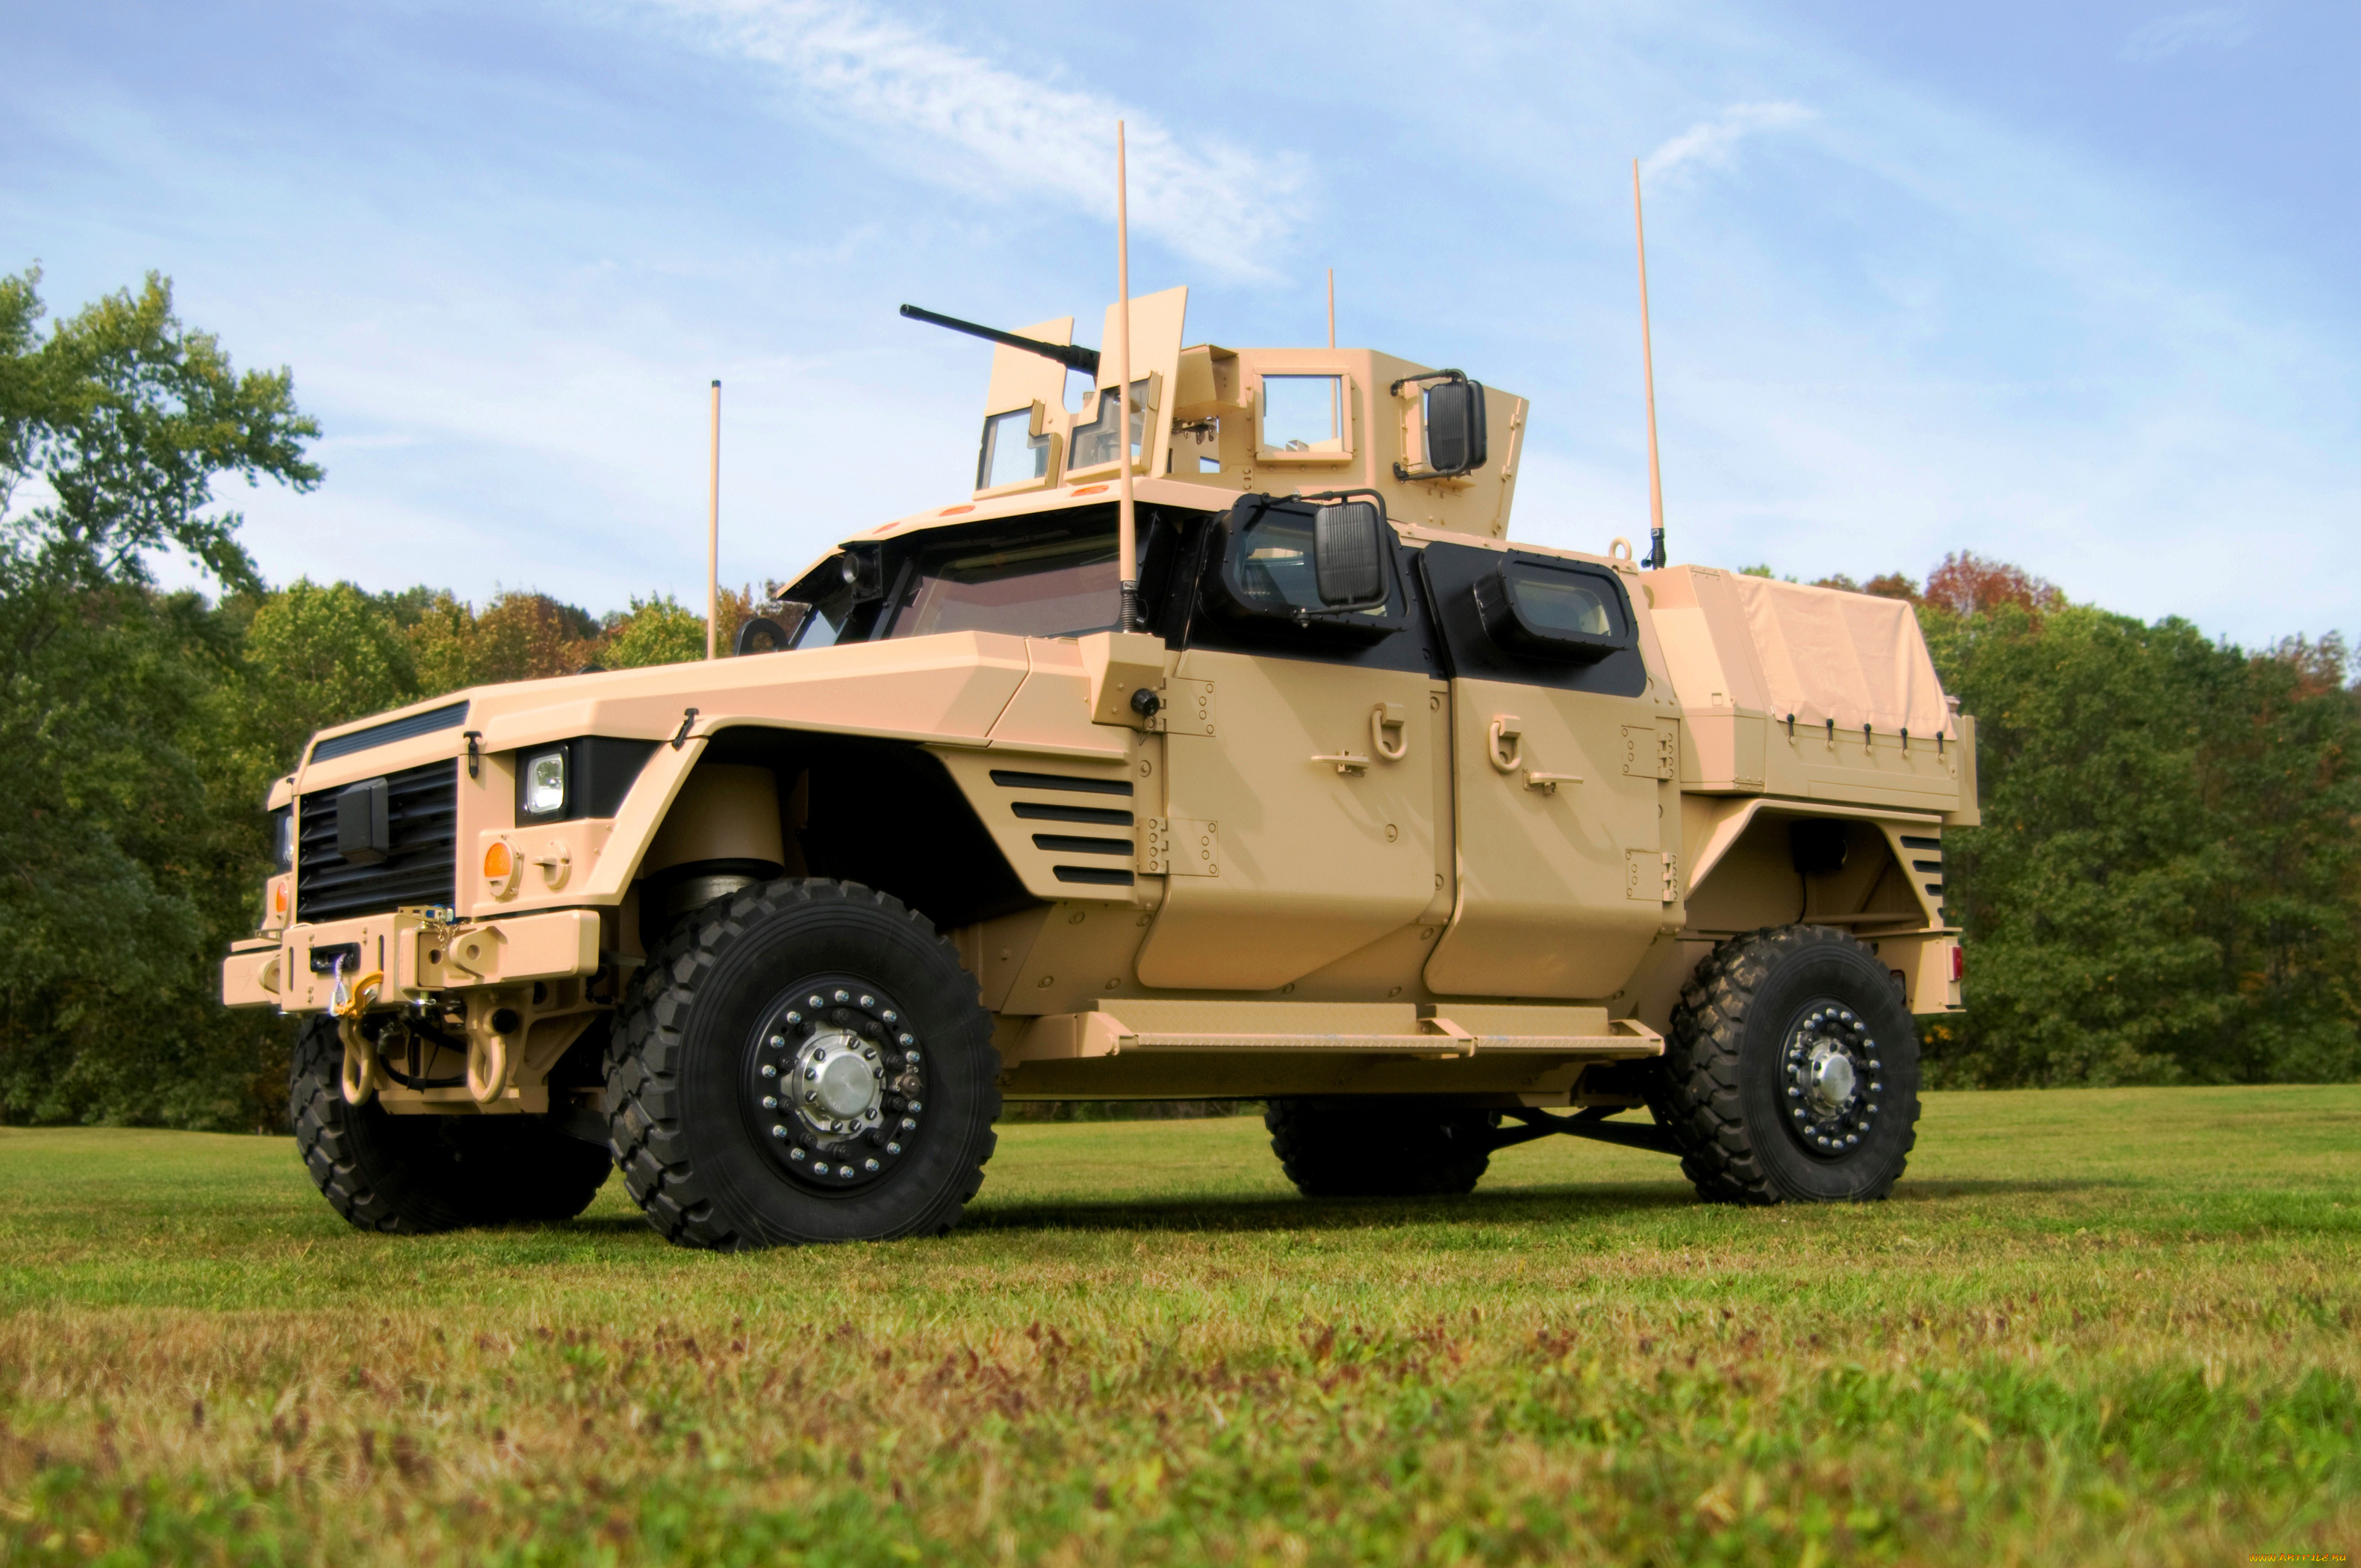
{"points": [[1829, 1066], [837, 1080]]}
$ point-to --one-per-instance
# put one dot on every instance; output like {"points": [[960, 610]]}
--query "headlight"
{"points": [[544, 784], [282, 838]]}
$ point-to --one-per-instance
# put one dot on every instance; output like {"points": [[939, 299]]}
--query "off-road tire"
{"points": [[1379, 1145], [1725, 1084], [410, 1175], [682, 1132]]}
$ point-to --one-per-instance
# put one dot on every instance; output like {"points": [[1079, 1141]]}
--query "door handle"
{"points": [[1506, 744], [1547, 783], [1347, 763], [1394, 717]]}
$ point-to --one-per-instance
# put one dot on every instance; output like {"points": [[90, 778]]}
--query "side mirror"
{"points": [[1348, 554], [774, 633], [863, 568], [1454, 427]]}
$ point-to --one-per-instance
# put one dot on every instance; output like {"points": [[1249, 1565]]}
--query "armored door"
{"points": [[1563, 768], [1305, 764]]}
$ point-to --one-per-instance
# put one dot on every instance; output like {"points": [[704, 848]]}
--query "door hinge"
{"points": [[1179, 846], [1650, 874], [1650, 752], [1187, 709]]}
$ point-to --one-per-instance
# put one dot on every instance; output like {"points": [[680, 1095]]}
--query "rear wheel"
{"points": [[409, 1174], [1379, 1145], [1791, 1073], [804, 1060]]}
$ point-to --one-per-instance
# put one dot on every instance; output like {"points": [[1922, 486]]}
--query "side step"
{"points": [[1127, 1027]]}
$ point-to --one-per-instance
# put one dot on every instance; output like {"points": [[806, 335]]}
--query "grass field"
{"points": [[2091, 1327]]}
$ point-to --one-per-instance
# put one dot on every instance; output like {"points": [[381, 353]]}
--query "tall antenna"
{"points": [[713, 533], [1125, 536], [1332, 307], [1656, 558]]}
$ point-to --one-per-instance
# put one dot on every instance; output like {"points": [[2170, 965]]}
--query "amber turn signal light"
{"points": [[500, 863]]}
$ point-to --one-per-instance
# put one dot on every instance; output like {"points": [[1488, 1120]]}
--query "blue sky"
{"points": [[2070, 286]]}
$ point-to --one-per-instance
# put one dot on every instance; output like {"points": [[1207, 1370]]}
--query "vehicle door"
{"points": [[1305, 766], [1562, 771]]}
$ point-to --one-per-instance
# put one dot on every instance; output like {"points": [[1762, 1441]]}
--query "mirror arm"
{"points": [[1395, 390]]}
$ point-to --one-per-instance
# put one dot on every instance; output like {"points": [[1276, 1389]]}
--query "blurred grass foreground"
{"points": [[2102, 1325]]}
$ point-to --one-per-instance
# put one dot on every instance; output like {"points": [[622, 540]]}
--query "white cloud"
{"points": [[1711, 142], [2217, 27], [1216, 203]]}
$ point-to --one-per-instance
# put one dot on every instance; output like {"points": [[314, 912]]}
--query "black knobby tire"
{"points": [[1379, 1145], [410, 1175], [1739, 1065], [688, 1127]]}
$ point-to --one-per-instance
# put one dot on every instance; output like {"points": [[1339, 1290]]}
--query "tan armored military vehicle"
{"points": [[1433, 840]]}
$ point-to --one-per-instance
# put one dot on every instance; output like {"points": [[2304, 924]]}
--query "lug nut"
{"points": [[908, 1126], [892, 1148], [869, 1165], [844, 996], [770, 1101], [770, 1070], [811, 1075], [869, 1002], [794, 1153], [891, 1016], [778, 1132], [795, 1018], [779, 1042]]}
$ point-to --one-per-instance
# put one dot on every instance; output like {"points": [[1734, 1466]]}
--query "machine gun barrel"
{"points": [[1071, 356]]}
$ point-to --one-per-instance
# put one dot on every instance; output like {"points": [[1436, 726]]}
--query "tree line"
{"points": [[2164, 888]]}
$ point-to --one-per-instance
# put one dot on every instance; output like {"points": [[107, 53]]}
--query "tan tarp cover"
{"points": [[1826, 654]]}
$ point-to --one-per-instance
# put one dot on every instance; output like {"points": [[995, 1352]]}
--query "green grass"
{"points": [[2094, 1326]]}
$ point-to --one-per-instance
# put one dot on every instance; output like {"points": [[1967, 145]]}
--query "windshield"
{"points": [[1061, 588]]}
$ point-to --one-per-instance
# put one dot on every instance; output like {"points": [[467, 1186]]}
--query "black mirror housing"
{"points": [[1348, 554], [1282, 557], [1562, 612], [1454, 427]]}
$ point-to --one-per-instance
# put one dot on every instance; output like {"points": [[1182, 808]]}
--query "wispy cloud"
{"points": [[1712, 142], [2217, 27], [951, 111]]}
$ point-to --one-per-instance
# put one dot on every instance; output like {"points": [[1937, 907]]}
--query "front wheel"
{"points": [[410, 1175], [1791, 1073], [804, 1060]]}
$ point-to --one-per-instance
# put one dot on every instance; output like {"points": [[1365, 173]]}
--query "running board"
{"points": [[1128, 1028]]}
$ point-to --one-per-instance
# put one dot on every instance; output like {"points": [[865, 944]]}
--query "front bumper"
{"points": [[417, 961]]}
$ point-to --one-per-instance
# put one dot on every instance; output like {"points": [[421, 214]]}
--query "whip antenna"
{"points": [[713, 532], [1656, 557], [1126, 534]]}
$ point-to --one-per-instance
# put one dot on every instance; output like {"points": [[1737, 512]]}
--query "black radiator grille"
{"points": [[421, 823]]}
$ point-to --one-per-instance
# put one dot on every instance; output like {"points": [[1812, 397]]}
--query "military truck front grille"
{"points": [[422, 826]]}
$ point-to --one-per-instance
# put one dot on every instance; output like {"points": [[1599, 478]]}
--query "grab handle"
{"points": [[1506, 744], [1394, 717]]}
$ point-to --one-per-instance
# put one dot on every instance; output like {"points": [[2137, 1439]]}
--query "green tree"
{"points": [[122, 879], [2163, 888]]}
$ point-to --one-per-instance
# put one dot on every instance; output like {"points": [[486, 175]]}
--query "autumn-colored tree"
{"points": [[1969, 584]]}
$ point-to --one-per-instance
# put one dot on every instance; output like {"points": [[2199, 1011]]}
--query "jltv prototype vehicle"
{"points": [[1433, 840]]}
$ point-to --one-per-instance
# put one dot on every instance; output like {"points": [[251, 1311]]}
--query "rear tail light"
{"points": [[1959, 963]]}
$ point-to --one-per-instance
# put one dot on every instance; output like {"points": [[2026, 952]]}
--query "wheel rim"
{"points": [[1830, 1080], [835, 1083]]}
